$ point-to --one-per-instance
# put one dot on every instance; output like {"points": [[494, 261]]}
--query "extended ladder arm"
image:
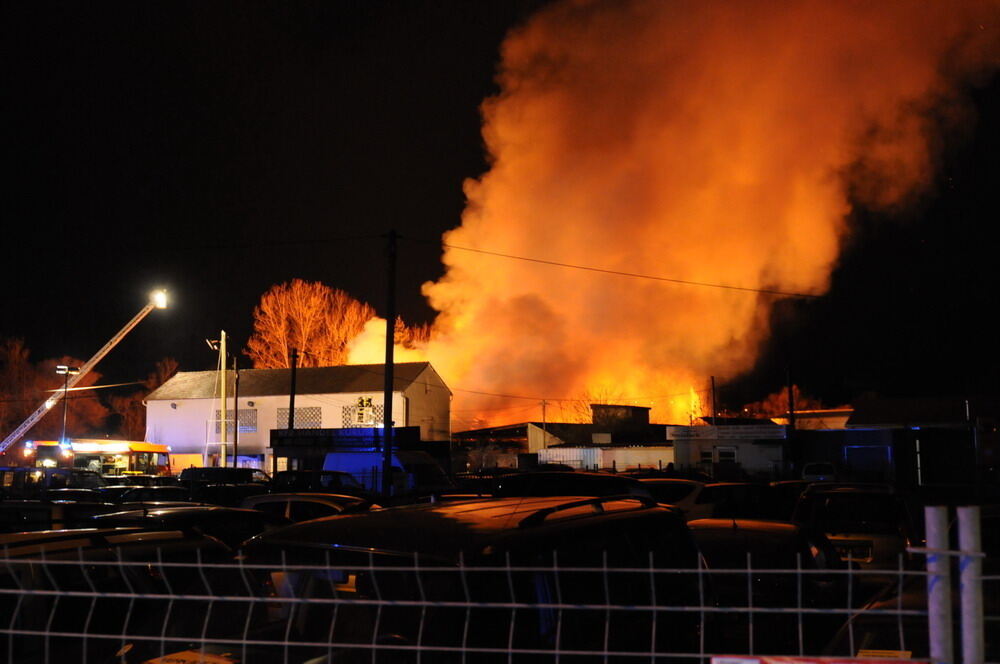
{"points": [[158, 301]]}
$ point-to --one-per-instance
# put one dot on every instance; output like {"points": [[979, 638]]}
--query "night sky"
{"points": [[217, 148]]}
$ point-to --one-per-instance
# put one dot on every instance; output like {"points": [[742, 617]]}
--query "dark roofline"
{"points": [[309, 380]]}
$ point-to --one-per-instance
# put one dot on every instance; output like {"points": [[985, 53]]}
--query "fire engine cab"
{"points": [[107, 457]]}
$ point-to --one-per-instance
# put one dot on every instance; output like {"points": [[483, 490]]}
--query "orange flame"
{"points": [[702, 141]]}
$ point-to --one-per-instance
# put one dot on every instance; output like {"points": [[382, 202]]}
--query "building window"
{"points": [[364, 413], [726, 454], [247, 419], [310, 417]]}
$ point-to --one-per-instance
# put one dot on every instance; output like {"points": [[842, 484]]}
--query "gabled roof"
{"points": [[348, 378]]}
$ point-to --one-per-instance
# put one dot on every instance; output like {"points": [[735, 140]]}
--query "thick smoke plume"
{"points": [[711, 142]]}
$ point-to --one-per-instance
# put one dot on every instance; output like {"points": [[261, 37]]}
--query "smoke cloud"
{"points": [[710, 142]]}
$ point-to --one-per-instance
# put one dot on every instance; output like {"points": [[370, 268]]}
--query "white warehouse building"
{"points": [[186, 412]]}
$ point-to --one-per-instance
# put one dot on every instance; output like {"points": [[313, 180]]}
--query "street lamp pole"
{"points": [[66, 372]]}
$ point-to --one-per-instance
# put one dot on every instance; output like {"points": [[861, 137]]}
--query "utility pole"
{"points": [[545, 433], [390, 340], [236, 412], [291, 392], [222, 398], [715, 408], [791, 400]]}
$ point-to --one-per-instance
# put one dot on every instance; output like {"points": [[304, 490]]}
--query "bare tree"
{"points": [[411, 336], [16, 375], [317, 320], [24, 386]]}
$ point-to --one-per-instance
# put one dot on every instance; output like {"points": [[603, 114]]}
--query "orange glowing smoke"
{"points": [[705, 141]]}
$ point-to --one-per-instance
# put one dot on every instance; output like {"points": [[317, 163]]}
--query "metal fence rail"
{"points": [[71, 607], [88, 609]]}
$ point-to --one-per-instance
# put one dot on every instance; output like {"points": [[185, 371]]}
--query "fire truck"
{"points": [[107, 457]]}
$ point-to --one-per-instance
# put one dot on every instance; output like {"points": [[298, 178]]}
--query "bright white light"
{"points": [[50, 403], [159, 299]]}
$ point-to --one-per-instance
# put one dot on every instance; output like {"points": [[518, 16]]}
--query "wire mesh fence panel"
{"points": [[181, 605]]}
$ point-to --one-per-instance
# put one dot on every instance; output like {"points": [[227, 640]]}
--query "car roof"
{"points": [[746, 525], [832, 487], [670, 480], [316, 496], [444, 529], [175, 510], [72, 541]]}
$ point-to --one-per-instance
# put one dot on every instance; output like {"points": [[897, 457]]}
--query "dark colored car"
{"points": [[774, 551], [148, 494], [76, 495], [219, 475], [232, 526], [557, 483], [782, 497], [682, 494], [735, 500], [102, 579], [32, 515], [871, 525], [670, 473], [113, 492], [25, 482], [329, 481], [489, 576], [227, 495], [896, 621], [306, 506], [143, 480]]}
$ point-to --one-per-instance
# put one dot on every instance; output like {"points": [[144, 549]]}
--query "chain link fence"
{"points": [[159, 598]]}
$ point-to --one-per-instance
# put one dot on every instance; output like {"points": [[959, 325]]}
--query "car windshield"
{"points": [[670, 492], [856, 513]]}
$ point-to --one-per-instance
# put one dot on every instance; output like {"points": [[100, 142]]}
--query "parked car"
{"points": [[670, 473], [75, 495], [682, 494], [781, 498], [113, 492], [138, 479], [392, 560], [869, 524], [306, 506], [34, 515], [227, 495], [896, 620], [26, 482], [733, 500], [545, 484], [148, 494], [232, 526], [220, 475], [142, 568], [738, 546], [332, 481]]}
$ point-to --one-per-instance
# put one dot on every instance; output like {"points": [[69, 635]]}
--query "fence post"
{"points": [[970, 572], [938, 584]]}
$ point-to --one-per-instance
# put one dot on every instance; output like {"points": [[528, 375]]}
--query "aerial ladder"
{"points": [[158, 300]]}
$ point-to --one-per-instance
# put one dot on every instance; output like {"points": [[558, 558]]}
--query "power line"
{"points": [[634, 275]]}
